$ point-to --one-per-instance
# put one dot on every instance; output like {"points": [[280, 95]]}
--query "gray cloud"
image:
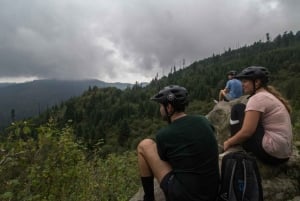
{"points": [[129, 40]]}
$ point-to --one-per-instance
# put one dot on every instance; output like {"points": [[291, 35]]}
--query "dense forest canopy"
{"points": [[120, 118]]}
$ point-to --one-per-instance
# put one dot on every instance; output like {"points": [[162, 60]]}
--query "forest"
{"points": [[84, 148]]}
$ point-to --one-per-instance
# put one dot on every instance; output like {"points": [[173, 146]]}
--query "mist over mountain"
{"points": [[23, 100]]}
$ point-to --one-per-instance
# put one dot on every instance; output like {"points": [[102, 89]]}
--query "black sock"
{"points": [[148, 187]]}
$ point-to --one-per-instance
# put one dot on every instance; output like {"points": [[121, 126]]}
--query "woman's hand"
{"points": [[226, 145]]}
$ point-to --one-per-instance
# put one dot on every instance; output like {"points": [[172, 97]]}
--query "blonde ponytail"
{"points": [[278, 95]]}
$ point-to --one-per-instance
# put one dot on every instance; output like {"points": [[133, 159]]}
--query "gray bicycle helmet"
{"points": [[255, 72], [173, 94]]}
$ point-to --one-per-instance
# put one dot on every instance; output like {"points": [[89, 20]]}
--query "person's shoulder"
{"points": [[198, 117], [236, 80], [261, 98], [162, 132], [195, 116], [164, 129], [261, 95]]}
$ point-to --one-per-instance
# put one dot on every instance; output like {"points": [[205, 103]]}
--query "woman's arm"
{"points": [[249, 126]]}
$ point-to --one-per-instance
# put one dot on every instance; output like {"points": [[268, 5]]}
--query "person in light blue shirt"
{"points": [[233, 88]]}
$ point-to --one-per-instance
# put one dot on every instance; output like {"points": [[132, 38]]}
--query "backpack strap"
{"points": [[245, 178], [253, 180], [227, 174], [231, 193]]}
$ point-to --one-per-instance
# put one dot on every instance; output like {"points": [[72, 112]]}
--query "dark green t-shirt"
{"points": [[190, 146]]}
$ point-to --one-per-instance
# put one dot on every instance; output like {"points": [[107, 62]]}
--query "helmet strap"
{"points": [[254, 88], [169, 115]]}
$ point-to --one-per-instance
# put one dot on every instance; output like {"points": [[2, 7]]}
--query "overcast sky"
{"points": [[129, 40]]}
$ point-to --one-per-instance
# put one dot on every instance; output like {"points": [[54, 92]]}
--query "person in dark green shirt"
{"points": [[184, 155]]}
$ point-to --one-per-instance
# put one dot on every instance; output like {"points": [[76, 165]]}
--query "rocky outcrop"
{"points": [[219, 116], [280, 183]]}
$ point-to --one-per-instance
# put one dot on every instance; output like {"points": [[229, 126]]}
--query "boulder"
{"points": [[219, 116], [280, 183]]}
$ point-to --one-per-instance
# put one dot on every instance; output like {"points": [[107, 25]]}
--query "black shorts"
{"points": [[164, 184], [174, 191]]}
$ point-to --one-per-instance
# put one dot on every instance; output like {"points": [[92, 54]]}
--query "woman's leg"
{"points": [[150, 165], [254, 145]]}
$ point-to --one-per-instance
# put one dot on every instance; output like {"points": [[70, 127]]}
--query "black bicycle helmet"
{"points": [[173, 94], [232, 72], [255, 72]]}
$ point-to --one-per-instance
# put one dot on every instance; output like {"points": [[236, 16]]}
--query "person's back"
{"points": [[235, 88], [184, 156], [189, 145], [276, 122]]}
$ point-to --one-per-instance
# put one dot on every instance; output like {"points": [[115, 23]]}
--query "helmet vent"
{"points": [[171, 97]]}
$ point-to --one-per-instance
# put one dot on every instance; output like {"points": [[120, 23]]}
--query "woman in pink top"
{"points": [[263, 126]]}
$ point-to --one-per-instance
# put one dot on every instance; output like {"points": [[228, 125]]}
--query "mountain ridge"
{"points": [[24, 100]]}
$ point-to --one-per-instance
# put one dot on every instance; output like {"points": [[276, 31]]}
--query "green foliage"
{"points": [[124, 133], [54, 167], [118, 176]]}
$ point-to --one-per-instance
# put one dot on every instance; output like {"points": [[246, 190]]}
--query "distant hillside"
{"points": [[6, 84], [31, 98]]}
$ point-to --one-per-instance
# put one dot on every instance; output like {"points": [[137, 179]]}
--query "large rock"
{"points": [[280, 183], [219, 116]]}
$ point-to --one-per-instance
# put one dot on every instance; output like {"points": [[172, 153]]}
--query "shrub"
{"points": [[52, 166]]}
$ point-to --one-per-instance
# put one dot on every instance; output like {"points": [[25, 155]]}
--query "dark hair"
{"points": [[232, 72]]}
